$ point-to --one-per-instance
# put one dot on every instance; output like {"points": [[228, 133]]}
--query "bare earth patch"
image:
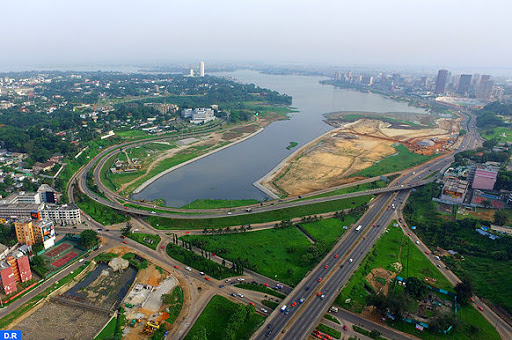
{"points": [[383, 274], [329, 160]]}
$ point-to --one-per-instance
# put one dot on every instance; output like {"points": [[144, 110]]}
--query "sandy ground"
{"points": [[57, 321], [329, 160]]}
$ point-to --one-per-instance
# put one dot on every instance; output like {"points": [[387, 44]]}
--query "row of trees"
{"points": [[227, 230]]}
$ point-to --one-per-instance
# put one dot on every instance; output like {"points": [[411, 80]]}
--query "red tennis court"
{"points": [[64, 259], [58, 250]]}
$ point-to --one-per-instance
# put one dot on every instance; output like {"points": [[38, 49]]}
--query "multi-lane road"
{"points": [[335, 271]]}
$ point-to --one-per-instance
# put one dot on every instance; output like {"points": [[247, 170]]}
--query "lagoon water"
{"points": [[229, 174]]}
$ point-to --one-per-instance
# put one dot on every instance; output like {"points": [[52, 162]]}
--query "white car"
{"points": [[240, 279], [227, 280], [189, 269], [241, 295], [201, 273], [350, 260], [263, 310]]}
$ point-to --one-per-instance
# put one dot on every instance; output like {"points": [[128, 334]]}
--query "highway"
{"points": [[351, 249]]}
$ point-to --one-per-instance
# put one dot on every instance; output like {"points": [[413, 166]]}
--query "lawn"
{"points": [[217, 315], [275, 253], [107, 332], [403, 159], [149, 240], [497, 133], [100, 213], [270, 216], [217, 204], [392, 247], [329, 230]]}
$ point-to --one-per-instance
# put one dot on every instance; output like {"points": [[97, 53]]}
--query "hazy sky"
{"points": [[343, 32]]}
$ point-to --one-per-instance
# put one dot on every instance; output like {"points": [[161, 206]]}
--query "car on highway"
{"points": [[319, 294], [153, 212], [294, 304], [319, 279], [229, 213], [207, 278], [252, 304], [301, 300], [409, 234], [227, 280], [471, 299], [268, 333], [336, 256], [426, 252], [326, 266], [240, 295], [480, 307], [176, 267], [417, 242], [241, 279], [345, 327], [265, 311], [126, 207], [233, 294], [322, 296], [124, 242], [306, 289], [162, 247], [350, 260], [364, 237], [221, 286], [201, 273], [189, 269], [122, 236]]}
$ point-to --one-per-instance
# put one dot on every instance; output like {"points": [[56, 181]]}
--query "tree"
{"points": [[127, 229], [416, 288], [200, 334], [500, 217], [37, 261], [486, 203], [375, 334], [88, 238], [464, 291]]}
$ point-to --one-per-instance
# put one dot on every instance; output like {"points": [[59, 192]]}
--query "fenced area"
{"points": [[64, 251]]}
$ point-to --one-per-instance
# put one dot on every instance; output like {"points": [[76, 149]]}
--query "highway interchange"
{"points": [[334, 270]]}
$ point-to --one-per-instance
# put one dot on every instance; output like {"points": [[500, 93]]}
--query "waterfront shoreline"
{"points": [[165, 172]]}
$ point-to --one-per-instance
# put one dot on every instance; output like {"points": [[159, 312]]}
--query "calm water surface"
{"points": [[229, 174]]}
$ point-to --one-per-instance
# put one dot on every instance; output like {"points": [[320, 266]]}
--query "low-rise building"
{"points": [[61, 214], [484, 176], [14, 268], [454, 190]]}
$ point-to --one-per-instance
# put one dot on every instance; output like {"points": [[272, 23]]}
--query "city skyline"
{"points": [[442, 35]]}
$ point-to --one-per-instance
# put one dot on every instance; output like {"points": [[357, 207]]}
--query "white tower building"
{"points": [[201, 69]]}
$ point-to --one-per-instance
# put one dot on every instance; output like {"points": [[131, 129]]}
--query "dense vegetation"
{"points": [[223, 319], [478, 256]]}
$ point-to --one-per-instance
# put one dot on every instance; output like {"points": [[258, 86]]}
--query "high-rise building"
{"points": [[464, 83], [442, 76], [33, 232], [201, 69], [485, 90]]}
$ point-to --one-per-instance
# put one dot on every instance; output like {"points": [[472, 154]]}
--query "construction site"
{"points": [[341, 154]]}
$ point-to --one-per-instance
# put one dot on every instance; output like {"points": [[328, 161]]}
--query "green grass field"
{"points": [[275, 253], [392, 247], [497, 133], [107, 332], [218, 204], [328, 330], [329, 230], [144, 239], [404, 159], [270, 216], [100, 213], [491, 279], [176, 300], [217, 315]]}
